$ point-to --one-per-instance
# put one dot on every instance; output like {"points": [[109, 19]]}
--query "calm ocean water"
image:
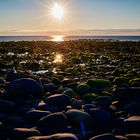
{"points": [[65, 38]]}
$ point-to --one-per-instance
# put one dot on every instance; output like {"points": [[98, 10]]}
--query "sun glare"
{"points": [[57, 11], [58, 58], [57, 38]]}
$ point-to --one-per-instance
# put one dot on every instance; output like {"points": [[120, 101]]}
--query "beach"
{"points": [[84, 89]]}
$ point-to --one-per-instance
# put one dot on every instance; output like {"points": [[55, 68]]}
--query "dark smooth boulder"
{"points": [[50, 87], [135, 93], [58, 100], [132, 108], [107, 136], [134, 136], [6, 106], [122, 94], [54, 121], [79, 119], [58, 136], [87, 107], [23, 133], [101, 117], [104, 101], [21, 88], [34, 115], [15, 121], [132, 124]]}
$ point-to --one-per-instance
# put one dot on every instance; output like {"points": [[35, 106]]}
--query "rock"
{"points": [[122, 94], [107, 136], [102, 118], [69, 92], [23, 133], [132, 108], [56, 81], [89, 97], [132, 124], [72, 85], [58, 100], [50, 87], [79, 119], [135, 84], [34, 115], [66, 82], [82, 89], [46, 107], [21, 88], [55, 121], [76, 103], [133, 136], [6, 106], [15, 121], [120, 80], [5, 131], [87, 107], [135, 94], [119, 137], [99, 83], [58, 136], [137, 80], [61, 90], [104, 101], [118, 131]]}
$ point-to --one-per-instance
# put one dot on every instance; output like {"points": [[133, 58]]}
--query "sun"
{"points": [[57, 11]]}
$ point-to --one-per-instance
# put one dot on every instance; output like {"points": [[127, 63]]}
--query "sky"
{"points": [[81, 17]]}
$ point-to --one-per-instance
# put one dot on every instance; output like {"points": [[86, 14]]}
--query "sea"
{"points": [[66, 38]]}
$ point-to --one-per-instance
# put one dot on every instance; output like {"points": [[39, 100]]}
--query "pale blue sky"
{"points": [[32, 17]]}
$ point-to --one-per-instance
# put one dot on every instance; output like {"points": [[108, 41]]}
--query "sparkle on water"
{"points": [[58, 58]]}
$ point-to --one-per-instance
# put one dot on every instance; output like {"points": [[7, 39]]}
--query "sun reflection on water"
{"points": [[58, 58], [58, 38]]}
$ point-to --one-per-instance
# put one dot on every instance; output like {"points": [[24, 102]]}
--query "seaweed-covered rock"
{"points": [[120, 80], [99, 83]]}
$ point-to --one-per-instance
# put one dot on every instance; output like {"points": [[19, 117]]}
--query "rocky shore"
{"points": [[70, 90]]}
